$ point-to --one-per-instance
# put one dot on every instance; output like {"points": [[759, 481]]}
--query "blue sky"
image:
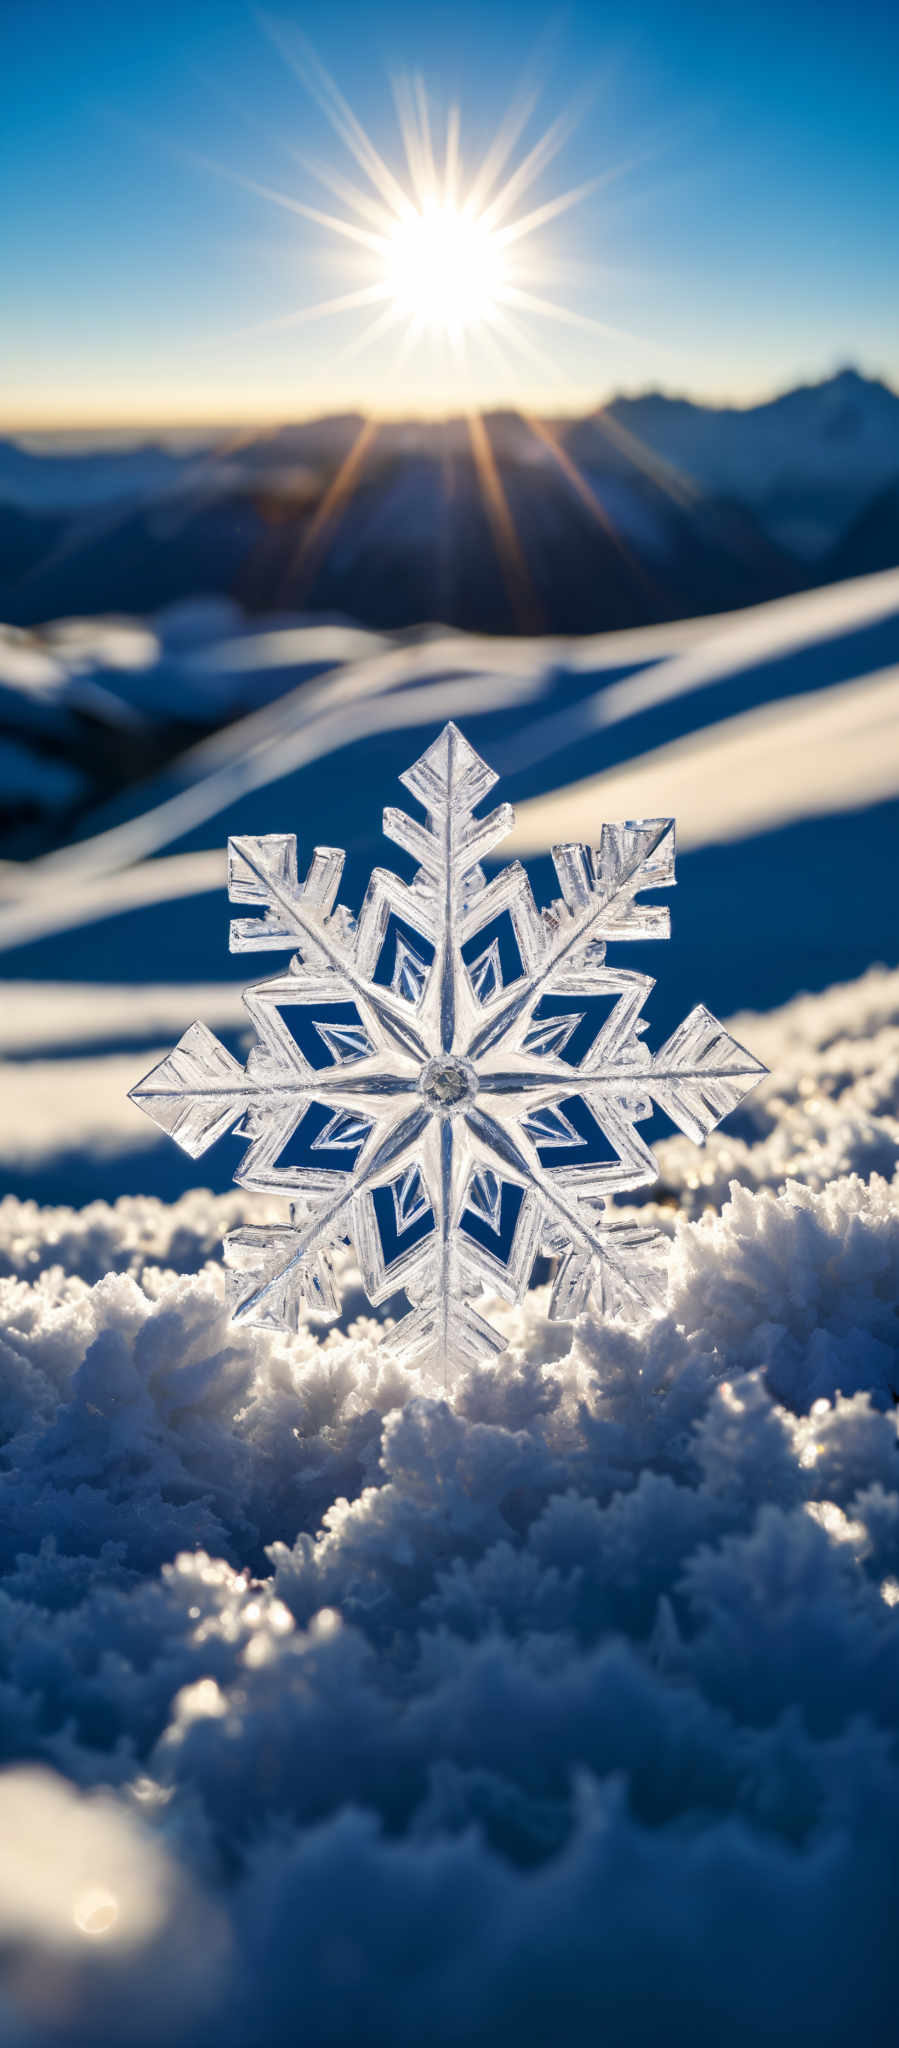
{"points": [[742, 234]]}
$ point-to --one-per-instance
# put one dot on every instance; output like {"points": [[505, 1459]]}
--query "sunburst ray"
{"points": [[531, 166], [408, 127], [540, 216], [510, 553], [368, 207], [451, 166], [500, 321], [329, 512], [582, 488], [392, 316], [299, 54], [511, 127], [301, 316], [676, 485], [424, 129], [532, 302]]}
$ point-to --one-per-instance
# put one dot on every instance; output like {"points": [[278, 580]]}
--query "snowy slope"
{"points": [[772, 736], [88, 703], [199, 662]]}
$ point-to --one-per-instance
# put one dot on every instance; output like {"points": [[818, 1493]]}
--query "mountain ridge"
{"points": [[651, 507]]}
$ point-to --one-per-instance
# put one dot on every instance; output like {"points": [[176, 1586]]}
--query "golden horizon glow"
{"points": [[194, 417]]}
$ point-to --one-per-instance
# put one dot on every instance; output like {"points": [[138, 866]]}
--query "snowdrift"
{"points": [[336, 1712]]}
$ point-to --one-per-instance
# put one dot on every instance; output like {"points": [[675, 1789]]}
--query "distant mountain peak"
{"points": [[841, 383]]}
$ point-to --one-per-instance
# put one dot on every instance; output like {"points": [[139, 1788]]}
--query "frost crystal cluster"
{"points": [[453, 1081]]}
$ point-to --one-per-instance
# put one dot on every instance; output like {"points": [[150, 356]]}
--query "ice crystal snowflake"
{"points": [[452, 1081]]}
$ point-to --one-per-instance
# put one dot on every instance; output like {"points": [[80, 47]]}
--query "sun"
{"points": [[435, 249], [444, 269]]}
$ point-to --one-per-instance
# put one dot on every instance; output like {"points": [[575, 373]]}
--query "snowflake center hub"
{"points": [[447, 1083]]}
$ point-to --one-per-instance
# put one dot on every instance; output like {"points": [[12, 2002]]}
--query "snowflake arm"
{"points": [[409, 1092], [302, 915], [598, 901]]}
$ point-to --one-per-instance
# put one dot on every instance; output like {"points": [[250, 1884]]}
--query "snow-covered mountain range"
{"points": [[807, 462], [648, 509]]}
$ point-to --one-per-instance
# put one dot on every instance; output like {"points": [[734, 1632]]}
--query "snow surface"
{"points": [[802, 757], [336, 1713], [200, 662]]}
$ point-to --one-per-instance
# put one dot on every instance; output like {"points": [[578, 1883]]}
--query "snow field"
{"points": [[338, 1712]]}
